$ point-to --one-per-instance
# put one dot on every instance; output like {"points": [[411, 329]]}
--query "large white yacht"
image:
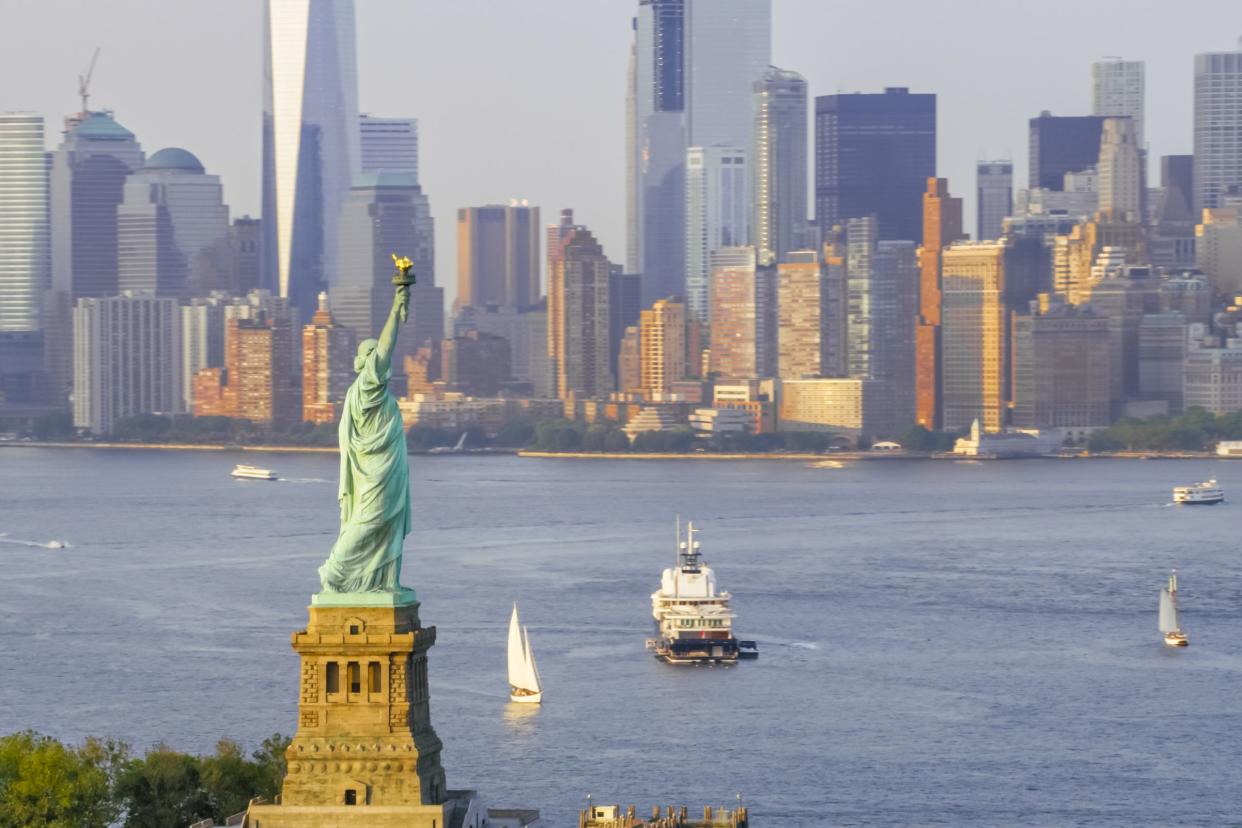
{"points": [[693, 620], [253, 472], [1207, 493]]}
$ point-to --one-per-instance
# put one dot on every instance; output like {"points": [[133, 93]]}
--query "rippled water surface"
{"points": [[966, 644]]}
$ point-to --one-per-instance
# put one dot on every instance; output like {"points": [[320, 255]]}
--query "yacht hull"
{"points": [[1176, 640], [529, 698]]}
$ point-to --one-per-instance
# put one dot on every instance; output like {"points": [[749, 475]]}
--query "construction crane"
{"points": [[84, 81]]}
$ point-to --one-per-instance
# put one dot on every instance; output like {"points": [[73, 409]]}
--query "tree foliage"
{"points": [[1195, 430]]}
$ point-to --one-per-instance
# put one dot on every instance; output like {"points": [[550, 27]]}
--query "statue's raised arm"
{"points": [[374, 492]]}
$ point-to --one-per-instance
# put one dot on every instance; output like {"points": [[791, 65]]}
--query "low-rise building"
{"points": [[654, 418], [852, 407], [1010, 443], [721, 420]]}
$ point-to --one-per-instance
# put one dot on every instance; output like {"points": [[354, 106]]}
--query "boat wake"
{"points": [[303, 480], [52, 544]]}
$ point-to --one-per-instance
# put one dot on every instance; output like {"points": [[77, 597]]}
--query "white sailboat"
{"points": [[1173, 635], [524, 686]]}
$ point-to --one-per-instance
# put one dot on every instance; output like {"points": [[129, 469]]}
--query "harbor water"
{"points": [[942, 643]]}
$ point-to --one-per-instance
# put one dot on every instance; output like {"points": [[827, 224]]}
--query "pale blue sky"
{"points": [[525, 99]]}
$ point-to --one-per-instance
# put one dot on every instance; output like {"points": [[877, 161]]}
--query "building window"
{"points": [[355, 677], [351, 797], [334, 677], [373, 676]]}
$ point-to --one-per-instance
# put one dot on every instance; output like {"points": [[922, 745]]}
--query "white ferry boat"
{"points": [[1207, 493], [253, 472], [694, 623], [1169, 625]]}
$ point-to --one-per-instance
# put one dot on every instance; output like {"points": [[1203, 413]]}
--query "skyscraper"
{"points": [[728, 48], [578, 336], [1061, 144], [173, 228], [873, 156], [743, 300], [310, 142], [1118, 89], [25, 242], [974, 337], [662, 347], [1218, 127], [1120, 170], [1062, 368], [388, 144], [942, 225], [386, 213], [88, 179], [498, 256], [993, 198], [779, 163], [717, 213], [327, 366], [802, 317]]}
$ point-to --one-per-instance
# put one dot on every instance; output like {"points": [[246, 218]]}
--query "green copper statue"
{"points": [[374, 491]]}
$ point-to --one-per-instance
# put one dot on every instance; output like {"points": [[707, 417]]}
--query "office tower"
{"points": [[310, 142], [258, 381], [25, 241], [802, 317], [993, 198], [578, 316], [973, 335], [873, 156], [126, 360], [717, 212], [629, 362], [1213, 380], [743, 310], [202, 340], [173, 229], [656, 148], [387, 213], [1218, 248], [1162, 349], [246, 244], [624, 307], [662, 347], [1078, 197], [1177, 175], [1172, 232], [942, 226], [327, 366], [1060, 144], [87, 183], [779, 163], [389, 144], [835, 301], [498, 255], [1124, 293], [1061, 368], [476, 364], [728, 48], [556, 235], [1117, 89], [1119, 170], [1218, 127]]}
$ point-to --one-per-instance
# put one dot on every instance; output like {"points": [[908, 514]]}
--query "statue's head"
{"points": [[365, 348]]}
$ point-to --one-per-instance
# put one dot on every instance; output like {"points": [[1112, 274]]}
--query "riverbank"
{"points": [[802, 456], [216, 447]]}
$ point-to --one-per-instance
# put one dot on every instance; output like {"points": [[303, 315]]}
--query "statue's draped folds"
{"points": [[374, 489]]}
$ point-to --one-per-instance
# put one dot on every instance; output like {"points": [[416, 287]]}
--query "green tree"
{"points": [[515, 434], [44, 784], [230, 779], [163, 789], [616, 440], [272, 764]]}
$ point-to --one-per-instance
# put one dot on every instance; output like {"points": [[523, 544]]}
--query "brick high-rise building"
{"points": [[327, 366], [942, 225], [662, 346], [1062, 368], [476, 363], [743, 311], [257, 382], [578, 317]]}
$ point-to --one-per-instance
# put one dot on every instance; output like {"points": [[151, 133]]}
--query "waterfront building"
{"points": [[802, 317], [389, 144], [1124, 296], [852, 407], [993, 198], [173, 228], [1218, 248], [1217, 127], [476, 364], [1120, 171], [662, 347], [1213, 379], [310, 143], [386, 213], [655, 418], [1060, 144], [126, 360], [743, 311], [327, 366], [779, 163], [720, 421], [1062, 366], [1118, 90], [25, 235], [1008, 443], [88, 176], [257, 382], [578, 317], [756, 398], [498, 255], [873, 156], [1162, 350], [942, 226], [973, 336], [718, 203]]}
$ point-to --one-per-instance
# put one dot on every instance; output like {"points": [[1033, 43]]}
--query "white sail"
{"points": [[532, 672], [517, 653], [1168, 612]]}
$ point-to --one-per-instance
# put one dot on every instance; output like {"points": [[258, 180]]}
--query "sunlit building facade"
{"points": [[718, 206], [1218, 127], [779, 163], [973, 336]]}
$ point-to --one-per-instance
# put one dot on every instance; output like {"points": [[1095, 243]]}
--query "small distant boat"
{"points": [[56, 544], [524, 686], [457, 449], [1173, 635], [253, 472], [1207, 493]]}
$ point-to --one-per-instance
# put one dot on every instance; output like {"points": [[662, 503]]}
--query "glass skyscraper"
{"points": [[1218, 126], [25, 252], [310, 142], [778, 163]]}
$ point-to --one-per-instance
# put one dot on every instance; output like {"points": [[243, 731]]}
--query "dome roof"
{"points": [[100, 126], [174, 158]]}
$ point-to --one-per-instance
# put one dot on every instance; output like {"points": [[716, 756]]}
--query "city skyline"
{"points": [[979, 116]]}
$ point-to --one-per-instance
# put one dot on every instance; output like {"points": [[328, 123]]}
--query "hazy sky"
{"points": [[525, 98]]}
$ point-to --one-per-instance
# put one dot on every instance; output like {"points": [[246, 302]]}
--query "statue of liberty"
{"points": [[374, 491]]}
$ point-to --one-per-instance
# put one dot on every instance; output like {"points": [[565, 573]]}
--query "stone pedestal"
{"points": [[365, 752]]}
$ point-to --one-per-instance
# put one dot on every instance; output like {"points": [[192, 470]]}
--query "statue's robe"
{"points": [[374, 490]]}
